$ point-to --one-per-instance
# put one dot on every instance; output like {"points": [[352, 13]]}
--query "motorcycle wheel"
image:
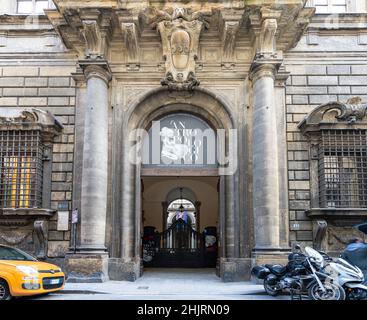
{"points": [[333, 291], [271, 290]]}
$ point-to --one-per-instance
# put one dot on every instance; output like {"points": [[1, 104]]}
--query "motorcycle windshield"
{"points": [[314, 254]]}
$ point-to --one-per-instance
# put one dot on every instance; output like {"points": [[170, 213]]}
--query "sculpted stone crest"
{"points": [[180, 31]]}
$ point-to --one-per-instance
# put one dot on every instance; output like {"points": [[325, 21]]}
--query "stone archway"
{"points": [[126, 251]]}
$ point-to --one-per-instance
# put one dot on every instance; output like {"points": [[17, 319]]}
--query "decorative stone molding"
{"points": [[264, 24], [180, 30], [263, 70], [26, 228], [14, 240], [96, 68], [131, 36], [131, 31], [277, 28], [87, 26], [332, 229], [25, 213], [335, 114], [319, 233], [229, 26], [86, 30], [24, 117], [93, 39], [40, 238], [95, 32], [281, 77], [30, 119], [267, 59], [267, 46]]}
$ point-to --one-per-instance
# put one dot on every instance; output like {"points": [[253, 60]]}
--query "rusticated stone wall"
{"points": [[47, 87]]}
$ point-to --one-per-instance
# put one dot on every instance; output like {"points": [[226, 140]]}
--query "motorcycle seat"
{"points": [[277, 269]]}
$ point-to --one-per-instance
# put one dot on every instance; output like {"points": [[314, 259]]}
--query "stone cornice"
{"points": [[289, 19], [274, 26], [26, 212], [336, 213]]}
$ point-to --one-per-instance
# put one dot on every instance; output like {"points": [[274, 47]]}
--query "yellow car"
{"points": [[22, 275]]}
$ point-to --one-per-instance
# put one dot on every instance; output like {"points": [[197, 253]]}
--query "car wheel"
{"points": [[4, 291]]}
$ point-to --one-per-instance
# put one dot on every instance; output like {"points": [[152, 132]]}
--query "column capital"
{"points": [[263, 70], [96, 68]]}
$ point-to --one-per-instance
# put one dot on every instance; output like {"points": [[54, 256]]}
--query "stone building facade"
{"points": [[284, 80]]}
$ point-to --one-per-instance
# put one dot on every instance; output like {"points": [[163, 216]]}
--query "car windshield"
{"points": [[7, 253]]}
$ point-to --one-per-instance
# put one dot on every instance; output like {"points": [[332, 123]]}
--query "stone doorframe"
{"points": [[125, 250]]}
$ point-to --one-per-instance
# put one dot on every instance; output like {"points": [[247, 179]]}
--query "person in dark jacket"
{"points": [[356, 254]]}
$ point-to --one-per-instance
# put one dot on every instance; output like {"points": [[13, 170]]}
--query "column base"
{"points": [[235, 269], [86, 268], [121, 270], [262, 256]]}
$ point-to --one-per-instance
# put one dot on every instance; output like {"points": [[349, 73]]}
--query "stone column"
{"points": [[265, 160], [95, 159], [91, 262]]}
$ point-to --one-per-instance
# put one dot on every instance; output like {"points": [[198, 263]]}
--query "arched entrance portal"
{"points": [[185, 144], [176, 160]]}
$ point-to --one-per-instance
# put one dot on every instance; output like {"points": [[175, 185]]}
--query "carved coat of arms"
{"points": [[180, 32]]}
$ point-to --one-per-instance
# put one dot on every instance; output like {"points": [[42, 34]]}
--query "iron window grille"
{"points": [[343, 169], [21, 168]]}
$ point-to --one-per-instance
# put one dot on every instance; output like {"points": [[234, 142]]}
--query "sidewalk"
{"points": [[174, 283]]}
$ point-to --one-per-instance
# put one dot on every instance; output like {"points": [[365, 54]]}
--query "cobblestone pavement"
{"points": [[166, 284]]}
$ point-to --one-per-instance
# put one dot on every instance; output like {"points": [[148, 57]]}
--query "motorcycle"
{"points": [[350, 277], [325, 286], [303, 275]]}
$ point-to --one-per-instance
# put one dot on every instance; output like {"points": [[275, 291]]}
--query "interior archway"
{"points": [[184, 209]]}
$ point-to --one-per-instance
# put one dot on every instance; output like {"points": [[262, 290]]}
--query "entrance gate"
{"points": [[180, 246]]}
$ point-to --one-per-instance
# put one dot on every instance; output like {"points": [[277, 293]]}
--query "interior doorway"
{"points": [[180, 221]]}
